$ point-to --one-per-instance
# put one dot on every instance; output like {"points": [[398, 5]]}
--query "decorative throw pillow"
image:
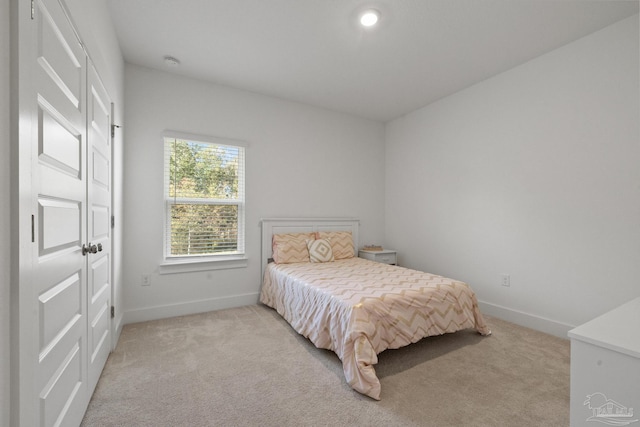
{"points": [[341, 243], [291, 247], [320, 250]]}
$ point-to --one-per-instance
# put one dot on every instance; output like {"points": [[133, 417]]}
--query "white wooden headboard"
{"points": [[271, 226]]}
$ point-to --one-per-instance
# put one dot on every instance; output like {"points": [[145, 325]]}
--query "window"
{"points": [[204, 198]]}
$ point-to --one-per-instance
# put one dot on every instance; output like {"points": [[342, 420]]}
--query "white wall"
{"points": [[4, 213], [302, 161], [533, 173]]}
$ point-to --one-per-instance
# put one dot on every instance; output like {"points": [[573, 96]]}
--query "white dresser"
{"points": [[605, 369]]}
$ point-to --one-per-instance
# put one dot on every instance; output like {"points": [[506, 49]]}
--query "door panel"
{"points": [[60, 225], [59, 310], [65, 388], [58, 51], [99, 277], [100, 166], [59, 183], [99, 224], [99, 333], [60, 145]]}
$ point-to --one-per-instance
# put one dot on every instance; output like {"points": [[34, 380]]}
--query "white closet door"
{"points": [[59, 177], [99, 224], [64, 286]]}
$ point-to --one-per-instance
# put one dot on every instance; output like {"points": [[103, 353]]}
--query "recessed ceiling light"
{"points": [[171, 61], [369, 17]]}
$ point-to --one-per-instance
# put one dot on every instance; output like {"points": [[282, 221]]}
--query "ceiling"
{"points": [[315, 52]]}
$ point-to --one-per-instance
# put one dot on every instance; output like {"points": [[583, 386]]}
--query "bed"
{"points": [[355, 307]]}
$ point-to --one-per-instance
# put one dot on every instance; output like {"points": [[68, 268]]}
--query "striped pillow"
{"points": [[341, 243], [320, 250], [291, 247]]}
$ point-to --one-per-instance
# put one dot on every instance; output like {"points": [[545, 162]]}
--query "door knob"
{"points": [[90, 249]]}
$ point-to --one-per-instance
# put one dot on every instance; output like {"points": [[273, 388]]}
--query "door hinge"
{"points": [[113, 221], [33, 10], [33, 228], [113, 312]]}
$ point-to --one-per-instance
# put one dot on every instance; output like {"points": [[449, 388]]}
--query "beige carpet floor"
{"points": [[247, 367]]}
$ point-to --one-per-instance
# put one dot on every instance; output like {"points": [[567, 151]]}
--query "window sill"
{"points": [[191, 265]]}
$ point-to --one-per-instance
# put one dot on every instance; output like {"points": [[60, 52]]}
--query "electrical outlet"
{"points": [[146, 280], [506, 280]]}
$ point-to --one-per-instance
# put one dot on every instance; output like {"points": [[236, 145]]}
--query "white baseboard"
{"points": [[186, 308], [117, 330], [527, 320]]}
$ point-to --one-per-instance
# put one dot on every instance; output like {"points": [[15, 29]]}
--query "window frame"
{"points": [[188, 263]]}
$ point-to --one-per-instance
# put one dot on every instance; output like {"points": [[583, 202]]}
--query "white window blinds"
{"points": [[204, 194]]}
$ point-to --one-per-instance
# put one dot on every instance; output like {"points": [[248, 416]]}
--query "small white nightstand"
{"points": [[385, 256]]}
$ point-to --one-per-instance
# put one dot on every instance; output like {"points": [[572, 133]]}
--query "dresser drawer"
{"points": [[385, 256]]}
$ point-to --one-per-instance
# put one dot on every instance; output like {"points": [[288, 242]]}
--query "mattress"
{"points": [[359, 308]]}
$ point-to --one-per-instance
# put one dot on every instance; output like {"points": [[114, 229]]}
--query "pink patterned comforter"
{"points": [[359, 308]]}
